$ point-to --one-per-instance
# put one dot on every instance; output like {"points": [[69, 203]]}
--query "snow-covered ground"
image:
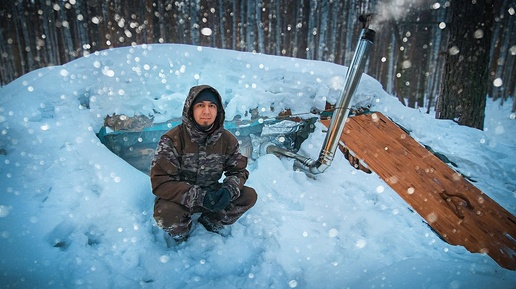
{"points": [[74, 215]]}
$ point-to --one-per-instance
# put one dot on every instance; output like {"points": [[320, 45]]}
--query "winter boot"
{"points": [[180, 238], [215, 227], [174, 240]]}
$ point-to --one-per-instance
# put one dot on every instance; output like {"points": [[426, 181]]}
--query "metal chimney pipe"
{"points": [[341, 112]]}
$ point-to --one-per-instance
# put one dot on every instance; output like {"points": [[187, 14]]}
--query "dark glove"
{"points": [[217, 200]]}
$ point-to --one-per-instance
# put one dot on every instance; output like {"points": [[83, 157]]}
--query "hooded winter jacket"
{"points": [[189, 162]]}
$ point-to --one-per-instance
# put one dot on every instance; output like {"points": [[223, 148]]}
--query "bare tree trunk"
{"points": [[312, 30], [234, 26], [82, 18], [222, 24], [506, 69], [26, 38], [398, 67], [275, 28], [8, 69], [149, 21], [242, 27], [351, 22], [62, 35], [334, 29], [322, 32], [259, 26], [464, 89], [251, 20]]}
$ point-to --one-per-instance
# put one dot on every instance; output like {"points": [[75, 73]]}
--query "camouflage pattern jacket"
{"points": [[189, 162]]}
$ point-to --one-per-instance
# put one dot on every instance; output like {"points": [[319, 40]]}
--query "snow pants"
{"points": [[176, 219]]}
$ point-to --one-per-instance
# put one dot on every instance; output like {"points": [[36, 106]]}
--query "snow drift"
{"points": [[73, 215]]}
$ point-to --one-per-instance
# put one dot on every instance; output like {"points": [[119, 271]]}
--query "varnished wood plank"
{"points": [[458, 211]]}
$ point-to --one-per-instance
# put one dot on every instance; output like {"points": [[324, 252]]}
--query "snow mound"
{"points": [[73, 215]]}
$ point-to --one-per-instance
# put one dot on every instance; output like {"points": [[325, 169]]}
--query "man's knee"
{"points": [[248, 197], [172, 217]]}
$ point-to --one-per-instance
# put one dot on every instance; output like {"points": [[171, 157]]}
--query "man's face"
{"points": [[204, 113]]}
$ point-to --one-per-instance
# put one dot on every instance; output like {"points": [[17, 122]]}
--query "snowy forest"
{"points": [[413, 45], [429, 203]]}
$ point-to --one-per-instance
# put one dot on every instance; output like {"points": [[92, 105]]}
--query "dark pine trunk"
{"points": [[465, 80]]}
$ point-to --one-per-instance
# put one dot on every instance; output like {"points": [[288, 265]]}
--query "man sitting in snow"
{"points": [[188, 164]]}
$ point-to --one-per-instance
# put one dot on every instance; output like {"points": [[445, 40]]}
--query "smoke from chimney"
{"points": [[392, 10]]}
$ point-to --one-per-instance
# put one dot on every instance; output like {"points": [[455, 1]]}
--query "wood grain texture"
{"points": [[458, 211]]}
